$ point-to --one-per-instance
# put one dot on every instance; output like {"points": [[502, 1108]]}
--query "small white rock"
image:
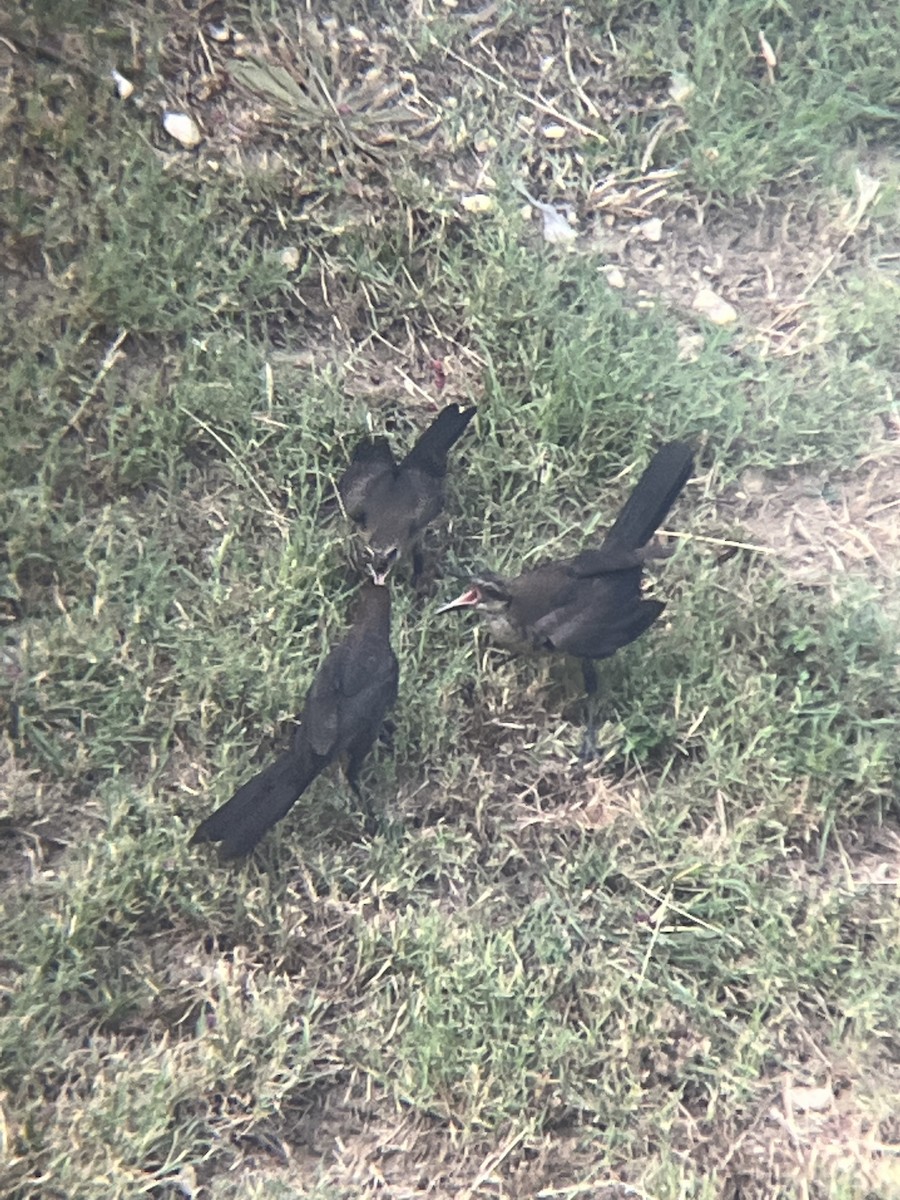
{"points": [[183, 129], [219, 33], [485, 142], [614, 277], [554, 132], [690, 346], [810, 1099], [753, 481], [479, 202], [124, 87], [767, 52], [555, 228], [652, 230], [714, 308], [681, 88], [290, 258]]}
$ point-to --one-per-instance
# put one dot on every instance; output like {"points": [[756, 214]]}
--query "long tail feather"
{"points": [[257, 806], [654, 494], [430, 451]]}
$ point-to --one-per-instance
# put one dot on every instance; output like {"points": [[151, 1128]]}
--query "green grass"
{"points": [[601, 975], [834, 82]]}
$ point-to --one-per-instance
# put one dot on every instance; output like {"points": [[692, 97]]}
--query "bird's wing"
{"points": [[371, 464], [369, 666], [320, 719], [398, 511], [605, 638], [597, 616], [604, 560], [424, 498], [585, 633], [374, 691]]}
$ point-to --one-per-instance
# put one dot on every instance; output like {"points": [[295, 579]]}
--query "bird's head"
{"points": [[380, 561], [486, 593]]}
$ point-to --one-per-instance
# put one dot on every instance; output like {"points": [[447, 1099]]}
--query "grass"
{"points": [[538, 975]]}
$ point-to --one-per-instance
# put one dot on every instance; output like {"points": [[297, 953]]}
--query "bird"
{"points": [[391, 503], [343, 712], [590, 605]]}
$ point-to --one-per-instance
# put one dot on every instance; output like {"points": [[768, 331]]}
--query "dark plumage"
{"points": [[342, 714], [589, 605], [392, 503]]}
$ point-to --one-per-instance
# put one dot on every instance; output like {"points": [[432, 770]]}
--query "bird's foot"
{"points": [[590, 751], [370, 819]]}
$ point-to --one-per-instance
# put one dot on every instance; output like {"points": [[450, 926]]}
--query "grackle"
{"points": [[343, 712], [391, 503], [590, 605]]}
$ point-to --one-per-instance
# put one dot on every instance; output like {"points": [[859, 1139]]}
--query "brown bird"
{"points": [[588, 606], [393, 502], [343, 713]]}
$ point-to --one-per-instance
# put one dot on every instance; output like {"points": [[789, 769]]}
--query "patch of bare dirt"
{"points": [[763, 260], [832, 1125], [757, 259], [823, 528], [405, 1156], [806, 1135]]}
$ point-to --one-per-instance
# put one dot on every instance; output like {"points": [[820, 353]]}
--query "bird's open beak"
{"points": [[468, 599], [380, 563]]}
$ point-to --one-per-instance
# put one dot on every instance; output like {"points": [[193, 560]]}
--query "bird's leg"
{"points": [[589, 675], [418, 564], [589, 741], [426, 568], [353, 780], [354, 763]]}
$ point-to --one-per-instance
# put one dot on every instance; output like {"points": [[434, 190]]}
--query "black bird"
{"points": [[590, 605], [343, 712], [393, 502]]}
